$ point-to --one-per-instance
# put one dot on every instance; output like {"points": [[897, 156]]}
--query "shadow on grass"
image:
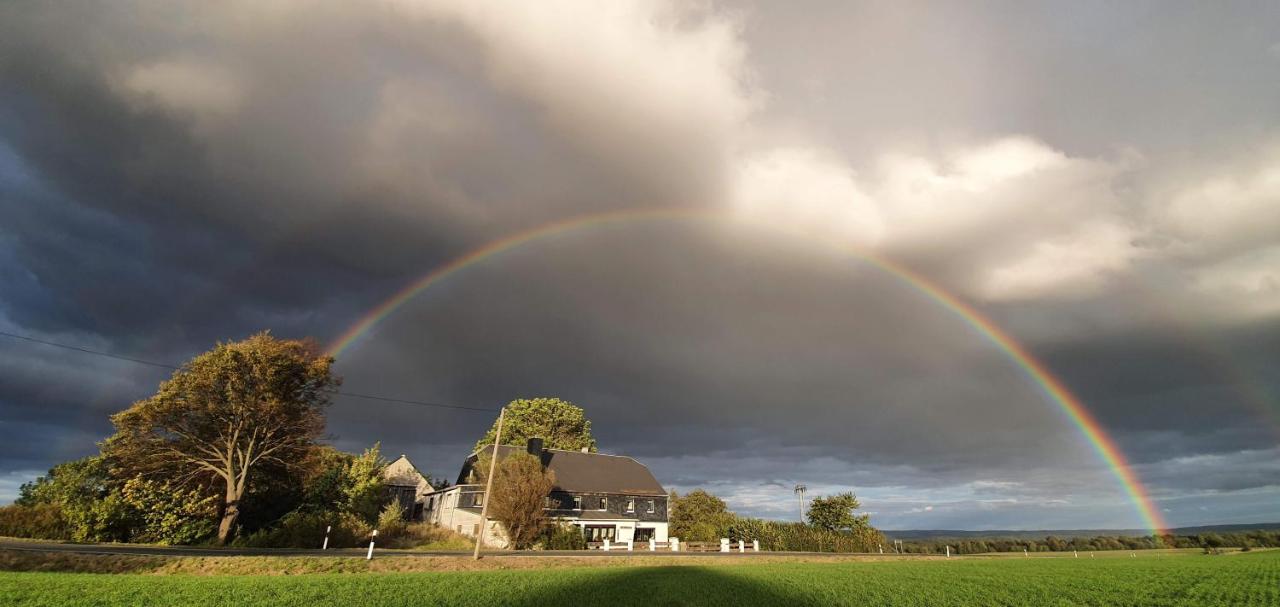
{"points": [[657, 586]]}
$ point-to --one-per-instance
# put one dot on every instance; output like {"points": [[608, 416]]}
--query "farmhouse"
{"points": [[610, 497], [407, 486]]}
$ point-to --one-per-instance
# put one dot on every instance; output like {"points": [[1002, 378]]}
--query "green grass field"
{"points": [[1168, 579]]}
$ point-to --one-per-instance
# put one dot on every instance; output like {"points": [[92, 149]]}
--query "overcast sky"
{"points": [[1101, 179]]}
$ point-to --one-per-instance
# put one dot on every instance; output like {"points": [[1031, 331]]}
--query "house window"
{"points": [[650, 508], [478, 500], [546, 503], [604, 504], [631, 504], [643, 534], [577, 502], [600, 533]]}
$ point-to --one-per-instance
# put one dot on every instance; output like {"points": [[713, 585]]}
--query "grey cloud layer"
{"points": [[174, 175]]}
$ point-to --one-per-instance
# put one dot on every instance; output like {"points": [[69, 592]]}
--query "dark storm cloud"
{"points": [[175, 175]]}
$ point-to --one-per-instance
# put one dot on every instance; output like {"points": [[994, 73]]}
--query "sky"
{"points": [[1099, 180]]}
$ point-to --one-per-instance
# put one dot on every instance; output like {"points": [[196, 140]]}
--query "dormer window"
{"points": [[577, 502], [604, 504], [631, 505], [651, 507]]}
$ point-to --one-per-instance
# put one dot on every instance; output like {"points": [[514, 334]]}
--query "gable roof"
{"points": [[579, 472], [403, 473]]}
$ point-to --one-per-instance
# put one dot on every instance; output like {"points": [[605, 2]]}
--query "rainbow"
{"points": [[1053, 388]]}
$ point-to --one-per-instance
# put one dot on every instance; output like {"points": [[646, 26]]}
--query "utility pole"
{"points": [[799, 490], [488, 485]]}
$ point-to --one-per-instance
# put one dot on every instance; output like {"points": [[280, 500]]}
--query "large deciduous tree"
{"points": [[835, 513], [520, 489], [561, 424], [698, 516], [228, 413]]}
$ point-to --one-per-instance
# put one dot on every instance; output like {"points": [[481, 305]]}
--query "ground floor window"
{"points": [[600, 533], [643, 534]]}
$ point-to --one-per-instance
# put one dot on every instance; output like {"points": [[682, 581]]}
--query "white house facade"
{"points": [[608, 497]]}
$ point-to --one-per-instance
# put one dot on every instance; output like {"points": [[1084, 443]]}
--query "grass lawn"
{"points": [[1149, 579]]}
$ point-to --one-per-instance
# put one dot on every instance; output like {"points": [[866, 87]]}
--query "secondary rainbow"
{"points": [[1053, 388]]}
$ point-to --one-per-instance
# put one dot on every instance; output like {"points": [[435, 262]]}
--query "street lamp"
{"points": [[799, 490]]}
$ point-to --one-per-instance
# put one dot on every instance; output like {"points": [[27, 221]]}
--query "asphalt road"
{"points": [[143, 550]]}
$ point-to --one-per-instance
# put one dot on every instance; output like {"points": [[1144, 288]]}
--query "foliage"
{"points": [[835, 513], [363, 488], [1258, 537], [698, 516], [799, 537], [226, 414], [561, 424], [426, 536], [520, 488], [1172, 580], [307, 530], [557, 536], [325, 479], [83, 492], [38, 521], [167, 514], [391, 523], [69, 484]]}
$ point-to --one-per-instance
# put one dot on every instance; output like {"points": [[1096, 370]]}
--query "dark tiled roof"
{"points": [[579, 472]]}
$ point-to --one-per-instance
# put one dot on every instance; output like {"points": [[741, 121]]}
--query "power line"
{"points": [[87, 351], [385, 399]]}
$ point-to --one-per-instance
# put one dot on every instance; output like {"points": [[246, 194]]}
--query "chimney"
{"points": [[534, 447]]}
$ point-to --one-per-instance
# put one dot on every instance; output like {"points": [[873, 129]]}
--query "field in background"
{"points": [[1164, 579]]}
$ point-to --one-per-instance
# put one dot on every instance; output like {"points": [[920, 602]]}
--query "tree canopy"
{"points": [[835, 513], [561, 424], [520, 489], [698, 516], [226, 415]]}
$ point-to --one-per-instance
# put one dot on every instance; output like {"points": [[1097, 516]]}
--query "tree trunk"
{"points": [[230, 512]]}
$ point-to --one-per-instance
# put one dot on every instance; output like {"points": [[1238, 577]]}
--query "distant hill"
{"points": [[940, 534]]}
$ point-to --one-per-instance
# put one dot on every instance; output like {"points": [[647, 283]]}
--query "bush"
{"points": [[38, 521], [426, 536], [167, 514], [391, 524], [563, 537], [307, 530]]}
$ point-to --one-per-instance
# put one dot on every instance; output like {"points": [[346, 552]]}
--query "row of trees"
{"points": [[832, 525], [1207, 541]]}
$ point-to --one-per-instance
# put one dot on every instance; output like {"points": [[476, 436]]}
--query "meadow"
{"points": [[1161, 579]]}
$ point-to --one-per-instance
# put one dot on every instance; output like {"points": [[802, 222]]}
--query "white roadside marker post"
{"points": [[675, 544], [948, 551], [755, 545], [881, 548], [326, 537], [1024, 552], [606, 545], [742, 546], [1077, 553], [369, 557]]}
